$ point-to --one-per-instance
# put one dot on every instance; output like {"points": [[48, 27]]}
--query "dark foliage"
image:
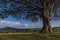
{"points": [[30, 9], [25, 9]]}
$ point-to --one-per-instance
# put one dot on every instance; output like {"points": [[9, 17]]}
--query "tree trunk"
{"points": [[46, 18], [46, 25]]}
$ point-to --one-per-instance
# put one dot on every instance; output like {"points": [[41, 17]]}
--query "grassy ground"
{"points": [[30, 36]]}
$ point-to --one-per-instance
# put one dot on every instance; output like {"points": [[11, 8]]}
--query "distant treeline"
{"points": [[14, 30]]}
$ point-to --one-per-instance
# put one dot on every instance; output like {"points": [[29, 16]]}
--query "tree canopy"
{"points": [[27, 9]]}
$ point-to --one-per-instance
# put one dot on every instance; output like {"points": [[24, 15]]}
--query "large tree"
{"points": [[30, 10]]}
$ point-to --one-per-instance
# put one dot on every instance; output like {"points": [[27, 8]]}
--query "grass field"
{"points": [[55, 35], [30, 36]]}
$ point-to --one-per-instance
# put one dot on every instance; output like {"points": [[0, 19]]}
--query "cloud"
{"points": [[4, 23]]}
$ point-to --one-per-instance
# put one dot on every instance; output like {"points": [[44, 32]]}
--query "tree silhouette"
{"points": [[30, 10]]}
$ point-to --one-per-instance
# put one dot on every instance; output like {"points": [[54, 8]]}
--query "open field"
{"points": [[55, 35], [30, 36]]}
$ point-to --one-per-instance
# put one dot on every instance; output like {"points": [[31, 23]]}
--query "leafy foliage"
{"points": [[30, 9]]}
